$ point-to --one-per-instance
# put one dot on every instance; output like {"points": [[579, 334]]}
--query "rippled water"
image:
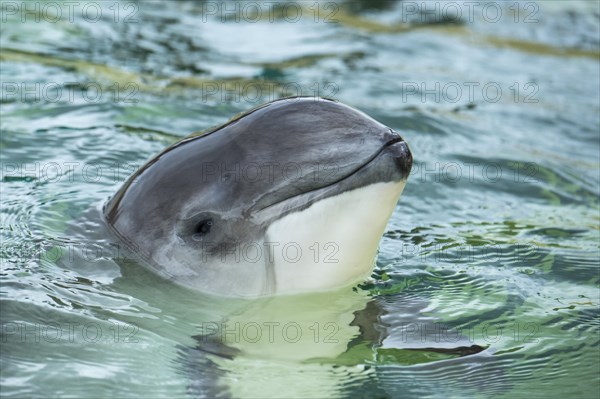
{"points": [[494, 242]]}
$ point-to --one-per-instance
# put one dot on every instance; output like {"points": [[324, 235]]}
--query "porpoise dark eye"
{"points": [[202, 229]]}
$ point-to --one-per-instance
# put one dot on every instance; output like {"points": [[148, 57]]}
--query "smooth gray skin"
{"points": [[306, 148]]}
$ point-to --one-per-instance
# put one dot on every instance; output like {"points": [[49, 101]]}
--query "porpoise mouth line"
{"points": [[395, 140]]}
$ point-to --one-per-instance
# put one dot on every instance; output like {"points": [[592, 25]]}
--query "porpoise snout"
{"points": [[402, 156], [398, 149]]}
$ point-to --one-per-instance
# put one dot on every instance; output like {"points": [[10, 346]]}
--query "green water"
{"points": [[493, 243]]}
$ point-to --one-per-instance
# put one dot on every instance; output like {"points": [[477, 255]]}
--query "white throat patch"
{"points": [[333, 242]]}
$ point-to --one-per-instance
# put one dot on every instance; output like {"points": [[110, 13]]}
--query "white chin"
{"points": [[333, 242]]}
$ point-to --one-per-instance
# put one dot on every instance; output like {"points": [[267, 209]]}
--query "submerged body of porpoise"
{"points": [[289, 198]]}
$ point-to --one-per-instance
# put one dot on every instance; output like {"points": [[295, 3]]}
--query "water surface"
{"points": [[493, 243]]}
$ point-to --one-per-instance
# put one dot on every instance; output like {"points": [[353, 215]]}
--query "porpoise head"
{"points": [[290, 197]]}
